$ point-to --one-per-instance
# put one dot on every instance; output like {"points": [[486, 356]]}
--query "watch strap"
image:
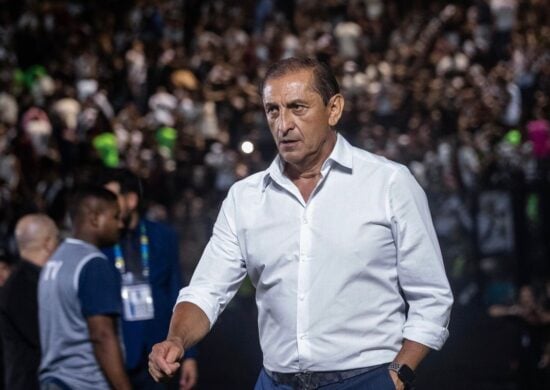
{"points": [[404, 372], [394, 366]]}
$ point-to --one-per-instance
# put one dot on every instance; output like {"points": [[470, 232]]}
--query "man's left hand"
{"points": [[396, 381], [189, 374]]}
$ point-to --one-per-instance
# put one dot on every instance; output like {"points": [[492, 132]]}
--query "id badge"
{"points": [[137, 301]]}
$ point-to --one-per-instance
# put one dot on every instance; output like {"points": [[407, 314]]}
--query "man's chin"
{"points": [[291, 157]]}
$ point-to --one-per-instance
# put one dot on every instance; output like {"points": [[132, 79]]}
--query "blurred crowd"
{"points": [[169, 90], [457, 92]]}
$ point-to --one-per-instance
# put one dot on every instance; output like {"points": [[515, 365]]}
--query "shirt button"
{"points": [[305, 221], [302, 297], [303, 337]]}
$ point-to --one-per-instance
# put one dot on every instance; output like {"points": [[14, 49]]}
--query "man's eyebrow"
{"points": [[296, 102], [292, 103]]}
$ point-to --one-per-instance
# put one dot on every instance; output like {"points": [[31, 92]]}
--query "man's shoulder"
{"points": [[94, 269], [75, 249], [365, 159], [22, 273], [158, 227], [161, 232], [74, 254], [22, 282], [12, 286], [17, 272]]}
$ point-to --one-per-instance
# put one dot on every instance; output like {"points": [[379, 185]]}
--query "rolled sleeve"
{"points": [[426, 333], [221, 268], [420, 266]]}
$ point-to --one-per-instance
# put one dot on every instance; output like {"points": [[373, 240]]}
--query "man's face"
{"points": [[298, 119], [109, 223], [125, 210]]}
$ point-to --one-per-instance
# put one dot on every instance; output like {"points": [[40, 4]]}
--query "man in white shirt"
{"points": [[337, 242]]}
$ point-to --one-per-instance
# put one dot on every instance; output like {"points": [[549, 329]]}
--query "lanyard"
{"points": [[144, 246]]}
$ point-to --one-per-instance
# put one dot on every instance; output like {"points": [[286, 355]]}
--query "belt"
{"points": [[306, 380]]}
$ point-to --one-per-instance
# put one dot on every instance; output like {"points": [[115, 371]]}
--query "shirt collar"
{"points": [[342, 154]]}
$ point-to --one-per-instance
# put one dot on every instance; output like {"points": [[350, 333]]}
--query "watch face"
{"points": [[406, 374]]}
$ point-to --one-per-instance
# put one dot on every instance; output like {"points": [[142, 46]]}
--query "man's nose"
{"points": [[286, 122]]}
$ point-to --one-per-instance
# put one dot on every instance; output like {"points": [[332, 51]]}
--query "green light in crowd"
{"points": [[513, 137], [106, 146]]}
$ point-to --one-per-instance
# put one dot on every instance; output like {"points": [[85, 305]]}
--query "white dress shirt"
{"points": [[328, 272]]}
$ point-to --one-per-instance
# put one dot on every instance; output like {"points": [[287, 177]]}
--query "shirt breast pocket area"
{"points": [[263, 248], [368, 243]]}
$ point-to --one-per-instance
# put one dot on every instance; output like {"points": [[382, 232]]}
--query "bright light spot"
{"points": [[247, 147]]}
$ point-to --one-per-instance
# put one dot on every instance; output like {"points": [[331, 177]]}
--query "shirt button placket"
{"points": [[302, 318]]}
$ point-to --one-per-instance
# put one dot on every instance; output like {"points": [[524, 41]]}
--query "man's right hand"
{"points": [[164, 359], [188, 326]]}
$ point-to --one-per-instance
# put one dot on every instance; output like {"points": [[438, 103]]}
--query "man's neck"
{"points": [[86, 237]]}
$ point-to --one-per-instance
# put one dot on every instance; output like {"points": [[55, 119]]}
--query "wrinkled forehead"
{"points": [[292, 85]]}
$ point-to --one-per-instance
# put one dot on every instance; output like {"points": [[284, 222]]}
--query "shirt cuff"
{"points": [[426, 333]]}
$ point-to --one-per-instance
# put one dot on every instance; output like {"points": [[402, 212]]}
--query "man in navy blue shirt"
{"points": [[147, 257], [79, 301]]}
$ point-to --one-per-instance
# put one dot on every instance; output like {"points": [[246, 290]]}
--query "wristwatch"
{"points": [[404, 372]]}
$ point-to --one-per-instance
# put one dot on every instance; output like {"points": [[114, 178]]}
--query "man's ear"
{"points": [[92, 216], [336, 107]]}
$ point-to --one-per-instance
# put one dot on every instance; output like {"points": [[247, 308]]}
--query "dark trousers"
{"points": [[377, 379]]}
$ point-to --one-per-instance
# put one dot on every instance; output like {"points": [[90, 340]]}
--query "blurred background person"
{"points": [[147, 257], [37, 237], [5, 269]]}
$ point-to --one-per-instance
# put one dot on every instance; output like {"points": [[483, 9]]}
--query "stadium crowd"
{"points": [[168, 89]]}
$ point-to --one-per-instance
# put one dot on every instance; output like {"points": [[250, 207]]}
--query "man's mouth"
{"points": [[288, 141]]}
